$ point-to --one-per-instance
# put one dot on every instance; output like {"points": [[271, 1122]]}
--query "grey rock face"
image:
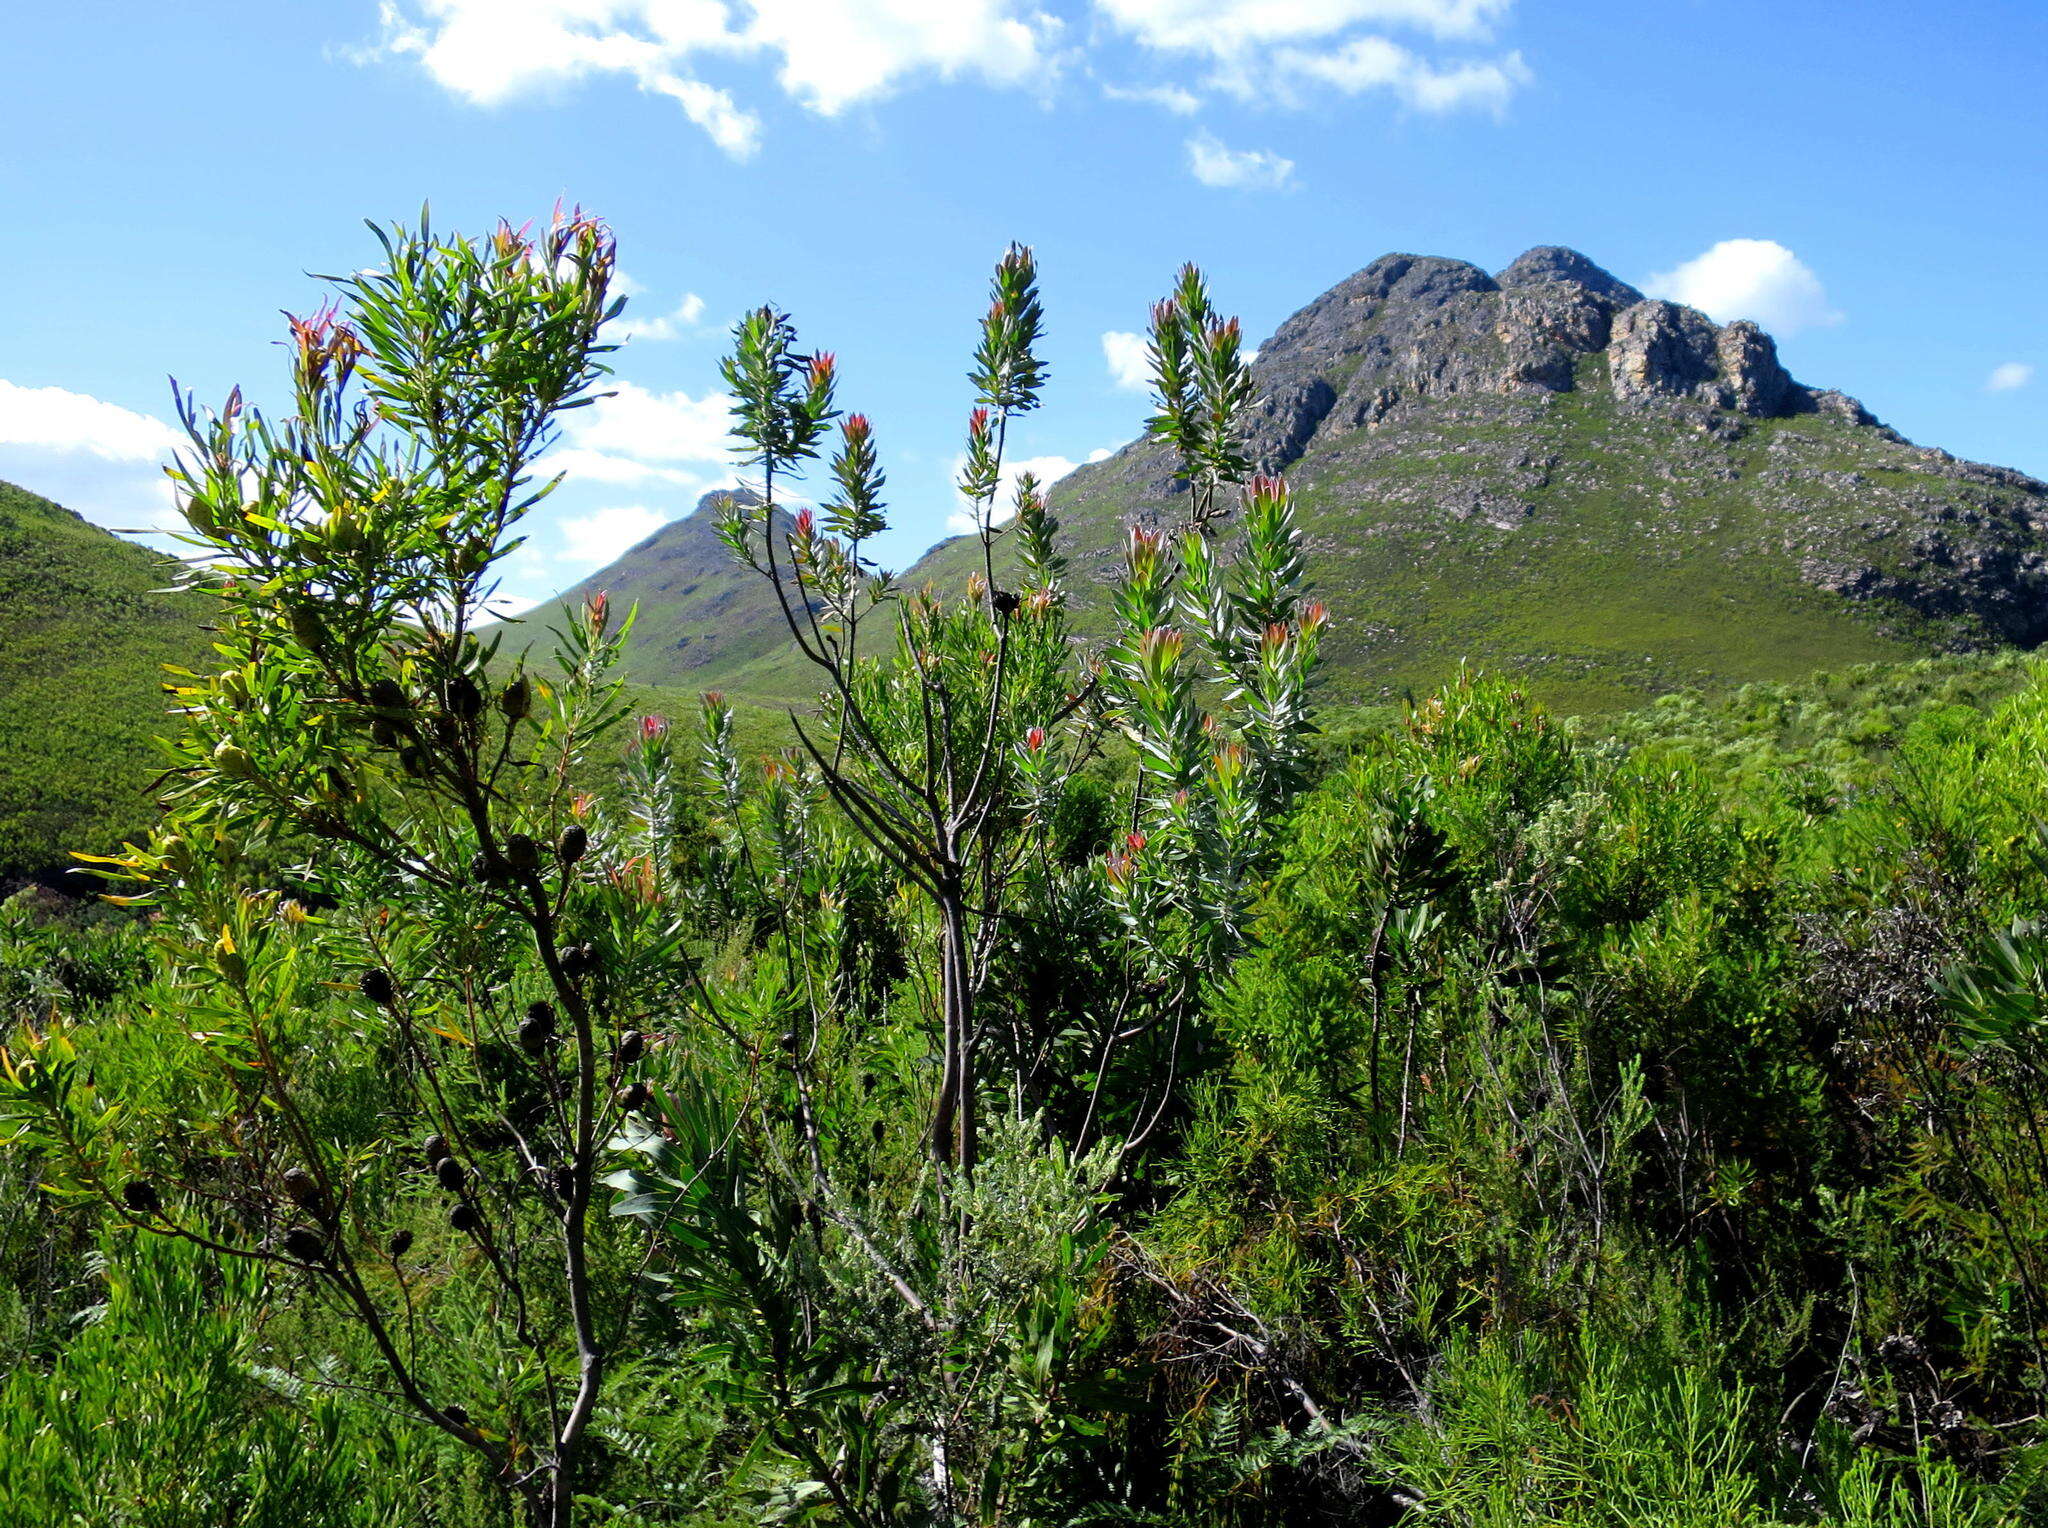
{"points": [[1660, 350], [1551, 262], [1752, 380], [1409, 329]]}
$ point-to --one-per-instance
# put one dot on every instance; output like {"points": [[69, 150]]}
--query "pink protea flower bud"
{"points": [[1135, 841], [652, 727], [977, 422], [856, 428], [806, 521], [822, 367], [1275, 637], [1315, 617], [1034, 740], [1160, 647]]}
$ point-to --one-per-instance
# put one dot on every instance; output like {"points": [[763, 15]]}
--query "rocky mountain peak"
{"points": [[1553, 262], [1410, 331]]}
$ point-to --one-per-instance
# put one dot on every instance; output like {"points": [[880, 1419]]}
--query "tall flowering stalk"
{"points": [[363, 736], [950, 750]]}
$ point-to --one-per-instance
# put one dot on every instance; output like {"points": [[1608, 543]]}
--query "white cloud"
{"points": [[580, 466], [1226, 27], [1283, 50], [1373, 63], [1182, 103], [604, 534], [1240, 169], [56, 419], [645, 426], [1757, 279], [2007, 376], [1047, 469], [503, 607], [837, 52], [680, 320], [832, 53], [1130, 368]]}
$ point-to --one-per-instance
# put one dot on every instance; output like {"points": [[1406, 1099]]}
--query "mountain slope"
{"points": [[83, 638], [1543, 472], [703, 620]]}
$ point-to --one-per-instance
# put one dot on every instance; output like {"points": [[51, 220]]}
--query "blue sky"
{"points": [[1868, 181]]}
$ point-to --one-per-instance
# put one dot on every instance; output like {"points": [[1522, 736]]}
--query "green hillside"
{"points": [[1597, 598], [84, 635]]}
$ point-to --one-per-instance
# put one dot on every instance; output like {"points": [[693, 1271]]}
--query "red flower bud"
{"points": [[1034, 739]]}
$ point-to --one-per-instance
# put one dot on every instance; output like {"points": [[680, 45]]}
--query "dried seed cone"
{"points": [[464, 698], [573, 844], [434, 1149], [464, 1218], [537, 1029], [516, 699], [399, 1245], [635, 1098], [522, 853], [307, 1246], [451, 1174], [632, 1046], [377, 986], [389, 695], [141, 1197], [304, 1191]]}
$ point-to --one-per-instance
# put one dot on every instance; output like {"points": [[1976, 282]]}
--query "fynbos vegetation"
{"points": [[1069, 1083]]}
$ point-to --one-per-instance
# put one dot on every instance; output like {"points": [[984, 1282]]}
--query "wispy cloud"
{"points": [[2007, 376], [1214, 164], [830, 54]]}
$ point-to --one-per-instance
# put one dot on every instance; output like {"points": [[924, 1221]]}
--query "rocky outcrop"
{"points": [[1410, 329]]}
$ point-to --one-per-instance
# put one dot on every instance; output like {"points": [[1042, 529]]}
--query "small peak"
{"points": [[1429, 279], [1553, 262], [709, 504]]}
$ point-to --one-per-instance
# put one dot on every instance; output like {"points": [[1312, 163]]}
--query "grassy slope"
{"points": [[1604, 596], [83, 638]]}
